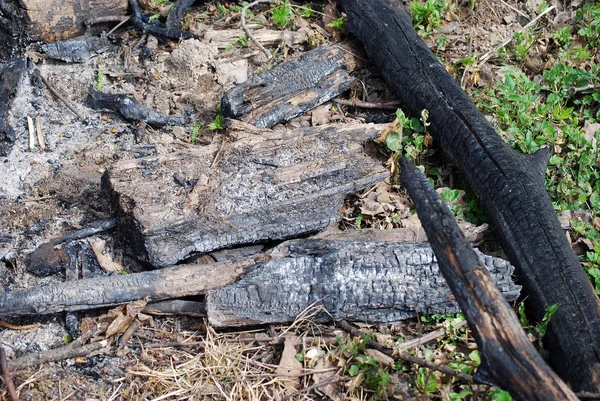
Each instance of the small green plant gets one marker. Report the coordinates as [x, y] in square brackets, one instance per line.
[240, 41]
[194, 136]
[408, 139]
[337, 24]
[221, 9]
[218, 122]
[282, 15]
[538, 331]
[500, 395]
[429, 15]
[374, 377]
[154, 16]
[99, 81]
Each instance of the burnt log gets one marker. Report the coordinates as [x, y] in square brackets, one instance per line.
[374, 281]
[508, 359]
[13, 29]
[263, 186]
[100, 292]
[290, 88]
[357, 280]
[510, 186]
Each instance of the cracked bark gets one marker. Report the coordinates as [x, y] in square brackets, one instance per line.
[510, 186]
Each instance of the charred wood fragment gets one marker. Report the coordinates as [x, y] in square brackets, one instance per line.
[99, 292]
[76, 50]
[510, 186]
[54, 20]
[508, 359]
[11, 75]
[357, 280]
[131, 109]
[13, 29]
[290, 88]
[265, 186]
[169, 32]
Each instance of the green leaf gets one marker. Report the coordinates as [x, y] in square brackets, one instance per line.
[500, 395]
[354, 370]
[394, 141]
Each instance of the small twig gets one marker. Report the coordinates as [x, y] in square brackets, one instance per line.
[248, 32]
[118, 26]
[53, 355]
[586, 88]
[10, 386]
[23, 327]
[137, 21]
[489, 54]
[428, 337]
[59, 96]
[588, 396]
[218, 154]
[40, 135]
[393, 105]
[31, 129]
[403, 356]
[521, 13]
[133, 327]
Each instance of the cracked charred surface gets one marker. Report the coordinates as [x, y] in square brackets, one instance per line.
[291, 88]
[266, 185]
[358, 280]
[510, 186]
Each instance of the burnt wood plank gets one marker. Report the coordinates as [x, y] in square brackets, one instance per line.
[266, 185]
[508, 359]
[510, 186]
[359, 280]
[290, 88]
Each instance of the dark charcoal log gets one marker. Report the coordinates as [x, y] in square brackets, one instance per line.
[265, 186]
[99, 292]
[11, 75]
[290, 88]
[76, 50]
[508, 359]
[53, 20]
[13, 29]
[510, 186]
[358, 280]
[131, 109]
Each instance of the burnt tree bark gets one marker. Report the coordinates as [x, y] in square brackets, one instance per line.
[357, 280]
[508, 359]
[263, 186]
[290, 88]
[510, 186]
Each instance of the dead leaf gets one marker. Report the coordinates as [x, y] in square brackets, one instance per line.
[394, 126]
[332, 390]
[372, 208]
[380, 357]
[589, 131]
[320, 115]
[289, 368]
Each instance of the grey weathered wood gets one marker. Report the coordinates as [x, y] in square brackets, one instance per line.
[99, 292]
[266, 185]
[360, 280]
[290, 88]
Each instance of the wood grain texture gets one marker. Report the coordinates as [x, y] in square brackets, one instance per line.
[267, 185]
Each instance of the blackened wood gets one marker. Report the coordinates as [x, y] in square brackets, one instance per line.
[290, 88]
[13, 29]
[510, 186]
[99, 292]
[131, 109]
[11, 75]
[53, 20]
[357, 280]
[168, 32]
[76, 50]
[508, 359]
[266, 185]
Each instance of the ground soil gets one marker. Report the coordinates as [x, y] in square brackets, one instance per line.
[44, 194]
